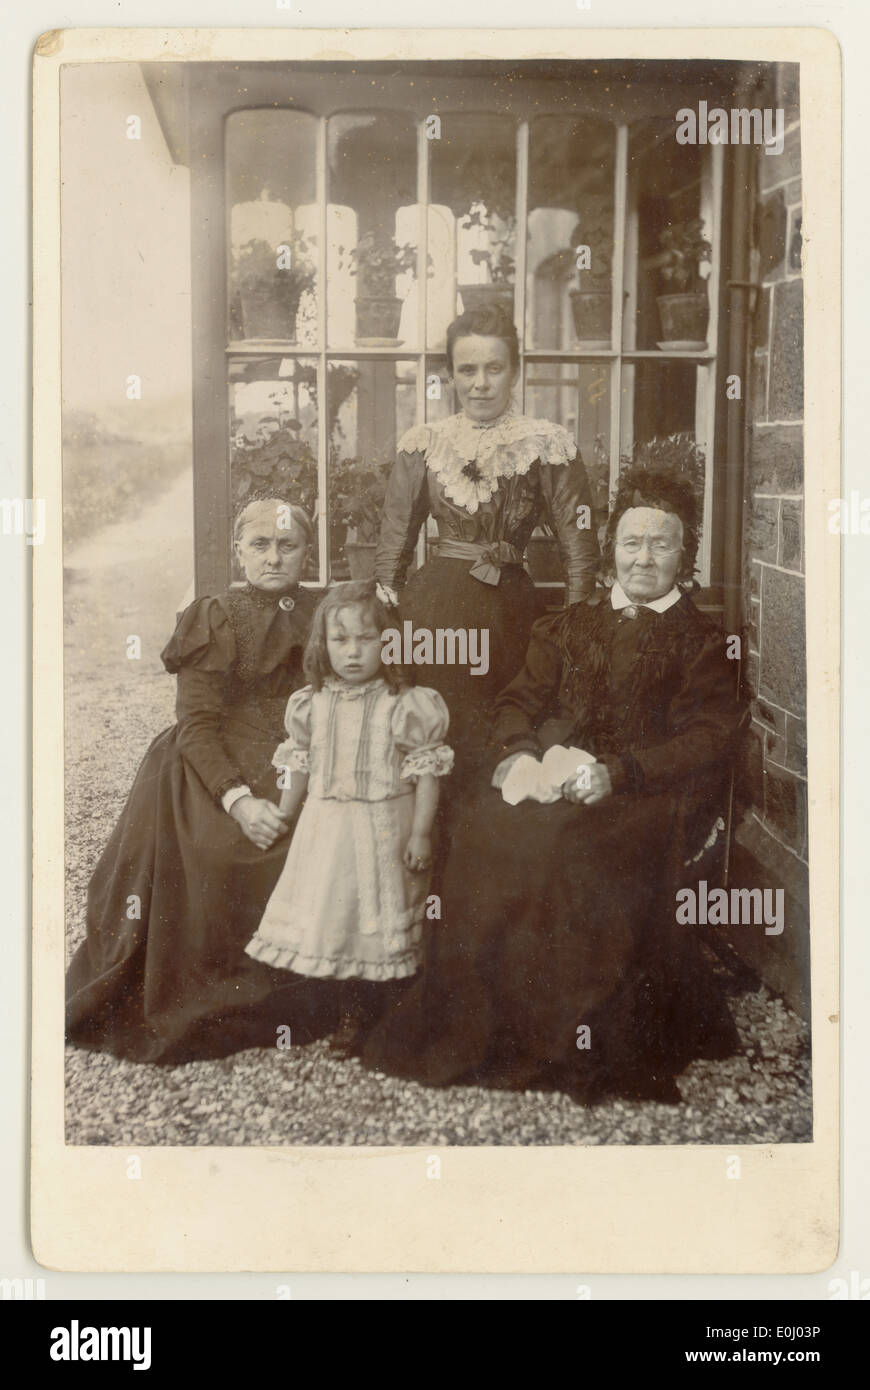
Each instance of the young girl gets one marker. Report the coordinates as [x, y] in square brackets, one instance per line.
[366, 749]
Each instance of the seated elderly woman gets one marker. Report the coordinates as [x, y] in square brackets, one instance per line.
[183, 880]
[558, 962]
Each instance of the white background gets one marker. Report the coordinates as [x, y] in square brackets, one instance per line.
[850, 23]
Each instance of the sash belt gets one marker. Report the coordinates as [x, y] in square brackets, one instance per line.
[488, 559]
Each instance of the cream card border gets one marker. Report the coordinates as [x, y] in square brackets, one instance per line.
[532, 1210]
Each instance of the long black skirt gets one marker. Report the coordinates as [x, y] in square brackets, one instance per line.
[443, 594]
[176, 895]
[558, 962]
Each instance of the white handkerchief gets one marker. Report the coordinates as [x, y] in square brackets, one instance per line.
[530, 780]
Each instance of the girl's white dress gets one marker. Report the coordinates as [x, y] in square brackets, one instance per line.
[345, 906]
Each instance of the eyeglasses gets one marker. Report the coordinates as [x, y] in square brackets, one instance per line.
[657, 547]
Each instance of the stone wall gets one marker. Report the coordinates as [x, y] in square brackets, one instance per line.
[770, 847]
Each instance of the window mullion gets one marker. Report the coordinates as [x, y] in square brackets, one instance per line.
[422, 289]
[712, 179]
[322, 309]
[620, 179]
[522, 206]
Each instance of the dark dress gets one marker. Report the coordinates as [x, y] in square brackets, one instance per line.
[535, 474]
[175, 983]
[559, 916]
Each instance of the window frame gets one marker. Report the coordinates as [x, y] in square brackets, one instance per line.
[193, 105]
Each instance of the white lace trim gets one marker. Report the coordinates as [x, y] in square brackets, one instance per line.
[505, 449]
[289, 758]
[420, 761]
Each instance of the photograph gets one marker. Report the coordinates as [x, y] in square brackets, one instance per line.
[435, 716]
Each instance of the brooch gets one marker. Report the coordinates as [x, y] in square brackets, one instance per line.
[288, 604]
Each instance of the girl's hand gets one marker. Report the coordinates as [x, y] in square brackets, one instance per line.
[259, 819]
[587, 790]
[418, 853]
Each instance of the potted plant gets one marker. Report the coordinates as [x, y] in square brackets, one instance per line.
[685, 313]
[356, 495]
[278, 458]
[678, 452]
[377, 260]
[591, 300]
[497, 257]
[269, 291]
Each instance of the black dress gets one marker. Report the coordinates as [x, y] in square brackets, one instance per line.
[558, 918]
[173, 982]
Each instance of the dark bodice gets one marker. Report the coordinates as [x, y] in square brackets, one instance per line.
[653, 697]
[238, 658]
[547, 492]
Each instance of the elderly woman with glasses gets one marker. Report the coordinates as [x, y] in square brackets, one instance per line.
[558, 962]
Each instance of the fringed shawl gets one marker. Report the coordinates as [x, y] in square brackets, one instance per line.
[667, 644]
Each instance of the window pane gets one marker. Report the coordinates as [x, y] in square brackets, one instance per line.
[570, 233]
[667, 303]
[664, 415]
[273, 433]
[372, 239]
[578, 397]
[370, 403]
[472, 218]
[272, 227]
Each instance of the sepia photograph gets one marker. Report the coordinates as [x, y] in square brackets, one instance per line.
[435, 667]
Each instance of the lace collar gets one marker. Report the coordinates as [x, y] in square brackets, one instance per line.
[353, 690]
[469, 458]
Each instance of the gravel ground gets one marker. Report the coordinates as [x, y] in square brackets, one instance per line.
[304, 1095]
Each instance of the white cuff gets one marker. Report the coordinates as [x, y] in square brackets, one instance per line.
[233, 795]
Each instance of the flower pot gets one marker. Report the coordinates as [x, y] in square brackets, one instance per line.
[481, 296]
[377, 318]
[542, 560]
[266, 316]
[684, 319]
[591, 310]
[361, 558]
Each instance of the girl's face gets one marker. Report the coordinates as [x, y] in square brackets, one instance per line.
[272, 556]
[353, 644]
[483, 376]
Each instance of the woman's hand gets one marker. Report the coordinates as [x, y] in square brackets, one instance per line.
[590, 784]
[504, 767]
[418, 853]
[259, 819]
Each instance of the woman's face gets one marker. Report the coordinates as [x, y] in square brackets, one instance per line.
[353, 644]
[272, 555]
[483, 376]
[648, 550]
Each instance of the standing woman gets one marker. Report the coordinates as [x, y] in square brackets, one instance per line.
[488, 475]
[183, 881]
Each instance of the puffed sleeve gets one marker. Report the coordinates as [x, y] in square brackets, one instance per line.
[566, 490]
[202, 638]
[293, 753]
[420, 723]
[406, 506]
[201, 652]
